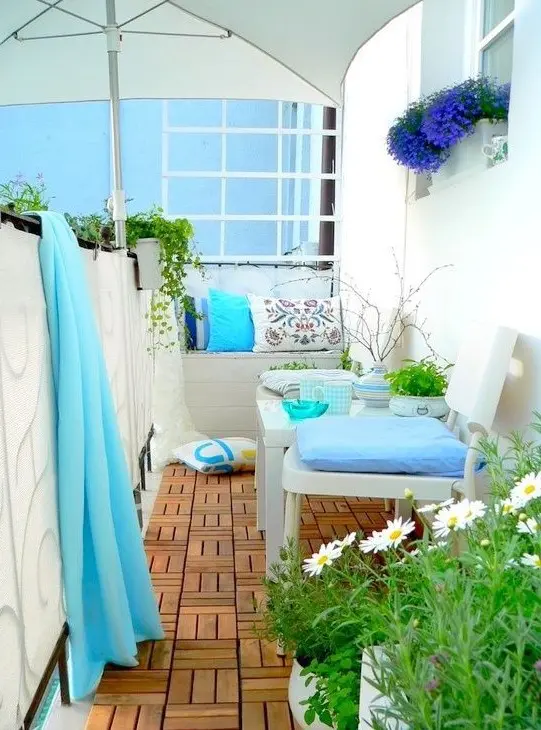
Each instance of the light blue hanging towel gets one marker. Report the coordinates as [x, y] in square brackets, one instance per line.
[109, 597]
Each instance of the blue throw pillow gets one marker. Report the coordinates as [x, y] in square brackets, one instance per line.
[381, 445]
[197, 324]
[231, 326]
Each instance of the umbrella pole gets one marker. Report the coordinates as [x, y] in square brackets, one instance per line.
[118, 196]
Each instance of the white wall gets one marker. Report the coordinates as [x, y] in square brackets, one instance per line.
[488, 226]
[31, 594]
[381, 81]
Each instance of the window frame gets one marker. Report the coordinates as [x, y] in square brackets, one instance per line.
[280, 176]
[482, 42]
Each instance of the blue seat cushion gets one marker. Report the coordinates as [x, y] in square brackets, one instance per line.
[381, 445]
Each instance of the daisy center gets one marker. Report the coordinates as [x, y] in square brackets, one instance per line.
[537, 561]
[395, 534]
[530, 489]
[323, 560]
[452, 521]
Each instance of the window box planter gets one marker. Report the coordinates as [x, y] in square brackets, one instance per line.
[370, 700]
[468, 156]
[148, 259]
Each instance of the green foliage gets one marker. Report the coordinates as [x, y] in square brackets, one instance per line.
[471, 659]
[19, 195]
[89, 227]
[458, 621]
[299, 611]
[423, 379]
[336, 685]
[346, 363]
[294, 365]
[176, 254]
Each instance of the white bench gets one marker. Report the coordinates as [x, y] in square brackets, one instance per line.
[220, 388]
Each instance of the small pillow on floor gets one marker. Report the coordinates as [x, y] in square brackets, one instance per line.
[381, 445]
[218, 456]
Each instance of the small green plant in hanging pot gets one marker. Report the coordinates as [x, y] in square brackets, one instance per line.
[419, 389]
[164, 250]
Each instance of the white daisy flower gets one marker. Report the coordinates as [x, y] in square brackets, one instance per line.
[347, 541]
[505, 507]
[512, 563]
[435, 507]
[437, 546]
[532, 561]
[529, 527]
[471, 510]
[396, 531]
[326, 555]
[527, 489]
[373, 544]
[448, 519]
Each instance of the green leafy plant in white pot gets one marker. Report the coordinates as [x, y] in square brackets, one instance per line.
[419, 389]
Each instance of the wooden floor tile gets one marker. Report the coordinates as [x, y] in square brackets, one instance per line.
[206, 560]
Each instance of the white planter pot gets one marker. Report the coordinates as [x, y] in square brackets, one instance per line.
[148, 260]
[298, 691]
[370, 699]
[406, 405]
[467, 157]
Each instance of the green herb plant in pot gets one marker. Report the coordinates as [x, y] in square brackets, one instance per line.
[419, 389]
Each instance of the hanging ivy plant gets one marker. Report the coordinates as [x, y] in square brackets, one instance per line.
[176, 254]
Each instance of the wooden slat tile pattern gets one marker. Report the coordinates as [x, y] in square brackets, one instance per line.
[206, 559]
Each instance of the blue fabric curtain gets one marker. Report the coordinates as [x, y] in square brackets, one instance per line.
[109, 597]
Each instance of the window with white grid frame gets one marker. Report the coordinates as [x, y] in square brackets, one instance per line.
[495, 39]
[256, 178]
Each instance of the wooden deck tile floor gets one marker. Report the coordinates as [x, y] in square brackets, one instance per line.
[206, 560]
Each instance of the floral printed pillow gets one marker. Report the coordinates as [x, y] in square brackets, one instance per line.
[293, 325]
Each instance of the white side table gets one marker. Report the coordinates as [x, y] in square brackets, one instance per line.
[276, 433]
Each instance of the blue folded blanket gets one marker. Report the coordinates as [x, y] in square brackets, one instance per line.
[381, 445]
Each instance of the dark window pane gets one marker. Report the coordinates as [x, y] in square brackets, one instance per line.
[498, 57]
[494, 12]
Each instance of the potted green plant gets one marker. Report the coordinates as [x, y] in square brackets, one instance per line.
[304, 613]
[19, 195]
[469, 654]
[418, 389]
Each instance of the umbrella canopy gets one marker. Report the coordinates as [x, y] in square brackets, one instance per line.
[91, 50]
[293, 50]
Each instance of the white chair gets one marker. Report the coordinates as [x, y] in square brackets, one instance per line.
[474, 392]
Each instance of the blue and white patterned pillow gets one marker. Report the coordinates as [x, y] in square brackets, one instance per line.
[195, 324]
[218, 456]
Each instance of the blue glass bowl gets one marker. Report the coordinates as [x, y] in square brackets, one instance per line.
[297, 410]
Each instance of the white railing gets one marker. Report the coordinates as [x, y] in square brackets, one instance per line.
[31, 592]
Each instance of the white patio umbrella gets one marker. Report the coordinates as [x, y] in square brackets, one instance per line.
[91, 50]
